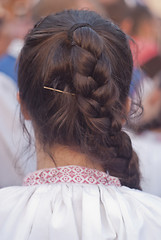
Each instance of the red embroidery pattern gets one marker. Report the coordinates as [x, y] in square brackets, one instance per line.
[71, 174]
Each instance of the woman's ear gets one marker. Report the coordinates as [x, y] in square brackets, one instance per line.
[24, 111]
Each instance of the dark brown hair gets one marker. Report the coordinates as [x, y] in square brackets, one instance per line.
[95, 63]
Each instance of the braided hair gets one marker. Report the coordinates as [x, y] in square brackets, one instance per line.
[88, 57]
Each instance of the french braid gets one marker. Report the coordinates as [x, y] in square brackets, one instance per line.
[98, 102]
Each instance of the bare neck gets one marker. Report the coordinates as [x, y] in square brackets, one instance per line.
[60, 155]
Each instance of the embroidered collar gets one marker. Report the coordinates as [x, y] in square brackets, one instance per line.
[71, 174]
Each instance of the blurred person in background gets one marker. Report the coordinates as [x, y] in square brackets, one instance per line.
[46, 7]
[136, 19]
[142, 26]
[147, 140]
[15, 22]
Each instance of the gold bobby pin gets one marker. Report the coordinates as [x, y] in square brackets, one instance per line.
[60, 91]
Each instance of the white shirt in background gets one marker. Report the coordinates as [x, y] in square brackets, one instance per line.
[12, 141]
[148, 148]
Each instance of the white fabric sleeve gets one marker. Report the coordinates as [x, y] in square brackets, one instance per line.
[79, 212]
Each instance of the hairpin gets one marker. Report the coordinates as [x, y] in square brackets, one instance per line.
[59, 91]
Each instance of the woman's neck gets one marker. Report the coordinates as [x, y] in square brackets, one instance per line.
[60, 155]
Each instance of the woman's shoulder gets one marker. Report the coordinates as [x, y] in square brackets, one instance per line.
[115, 211]
[122, 196]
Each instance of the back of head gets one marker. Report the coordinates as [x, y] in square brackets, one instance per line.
[74, 76]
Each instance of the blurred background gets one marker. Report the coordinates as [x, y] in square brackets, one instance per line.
[141, 20]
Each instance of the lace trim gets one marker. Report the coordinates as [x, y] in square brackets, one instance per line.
[71, 174]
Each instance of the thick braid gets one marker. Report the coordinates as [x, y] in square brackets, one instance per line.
[98, 102]
[94, 88]
[126, 161]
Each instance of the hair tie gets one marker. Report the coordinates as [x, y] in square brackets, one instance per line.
[74, 27]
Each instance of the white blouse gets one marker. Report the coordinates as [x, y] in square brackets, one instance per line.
[77, 203]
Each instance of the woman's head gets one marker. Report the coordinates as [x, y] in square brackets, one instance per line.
[89, 59]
